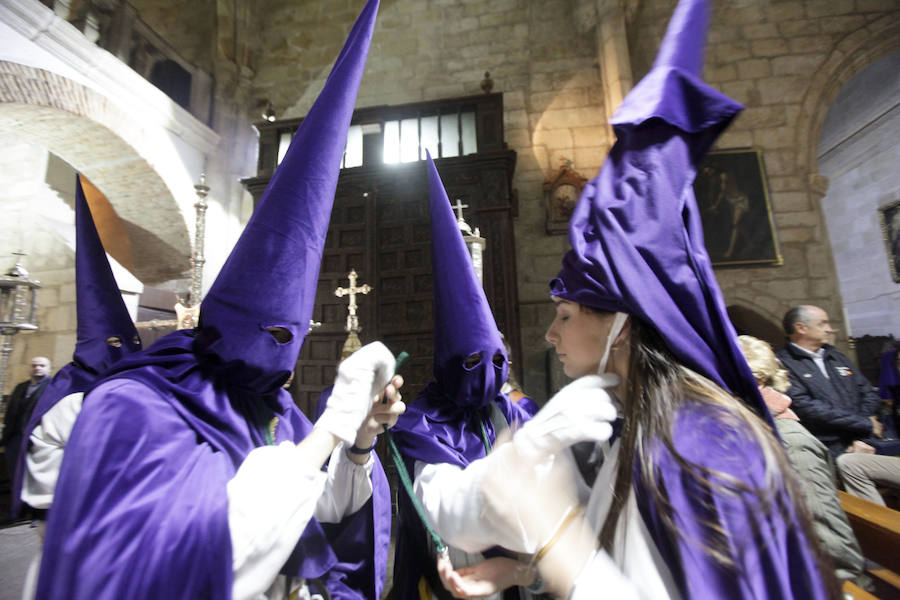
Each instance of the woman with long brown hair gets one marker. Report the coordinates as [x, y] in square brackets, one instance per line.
[692, 495]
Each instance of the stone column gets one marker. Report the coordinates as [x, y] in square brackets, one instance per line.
[612, 55]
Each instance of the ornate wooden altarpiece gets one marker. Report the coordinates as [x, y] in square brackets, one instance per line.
[380, 228]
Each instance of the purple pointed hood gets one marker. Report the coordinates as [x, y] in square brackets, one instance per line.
[463, 323]
[270, 278]
[106, 332]
[636, 235]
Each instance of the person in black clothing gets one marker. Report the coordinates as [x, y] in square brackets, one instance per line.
[836, 403]
[18, 411]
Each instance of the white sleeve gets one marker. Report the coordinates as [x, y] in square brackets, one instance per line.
[347, 488]
[270, 501]
[453, 499]
[45, 452]
[600, 577]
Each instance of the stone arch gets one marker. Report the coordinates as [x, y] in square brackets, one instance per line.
[111, 148]
[748, 320]
[850, 55]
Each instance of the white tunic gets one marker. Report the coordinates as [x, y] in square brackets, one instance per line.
[455, 503]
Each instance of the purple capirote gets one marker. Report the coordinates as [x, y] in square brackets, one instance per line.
[146, 470]
[102, 318]
[637, 248]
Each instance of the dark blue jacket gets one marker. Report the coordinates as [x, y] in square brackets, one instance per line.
[835, 410]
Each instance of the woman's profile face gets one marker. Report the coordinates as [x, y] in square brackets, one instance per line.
[579, 337]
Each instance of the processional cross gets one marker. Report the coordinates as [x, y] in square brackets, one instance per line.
[458, 207]
[352, 344]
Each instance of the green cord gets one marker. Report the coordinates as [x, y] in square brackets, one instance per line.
[439, 544]
[484, 437]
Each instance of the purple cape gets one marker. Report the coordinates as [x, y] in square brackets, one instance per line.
[433, 430]
[888, 376]
[144, 477]
[755, 526]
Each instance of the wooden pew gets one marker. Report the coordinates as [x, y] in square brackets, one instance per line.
[877, 529]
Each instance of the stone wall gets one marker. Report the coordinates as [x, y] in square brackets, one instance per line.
[859, 153]
[49, 259]
[785, 60]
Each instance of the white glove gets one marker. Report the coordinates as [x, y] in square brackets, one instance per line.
[361, 378]
[581, 411]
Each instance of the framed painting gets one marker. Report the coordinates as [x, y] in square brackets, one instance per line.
[733, 198]
[890, 229]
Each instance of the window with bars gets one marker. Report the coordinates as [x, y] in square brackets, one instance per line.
[406, 140]
[393, 135]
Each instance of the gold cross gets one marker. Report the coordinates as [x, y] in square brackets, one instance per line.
[352, 291]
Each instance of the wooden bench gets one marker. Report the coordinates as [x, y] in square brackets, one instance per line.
[877, 529]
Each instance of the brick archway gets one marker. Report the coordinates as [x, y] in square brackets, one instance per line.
[111, 148]
[850, 56]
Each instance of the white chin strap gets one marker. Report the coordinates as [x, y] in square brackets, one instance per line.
[614, 331]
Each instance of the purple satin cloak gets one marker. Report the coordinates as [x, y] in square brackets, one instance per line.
[433, 430]
[142, 508]
[754, 524]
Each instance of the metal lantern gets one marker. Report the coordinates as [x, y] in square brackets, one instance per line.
[18, 304]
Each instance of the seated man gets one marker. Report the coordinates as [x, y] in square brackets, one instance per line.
[835, 402]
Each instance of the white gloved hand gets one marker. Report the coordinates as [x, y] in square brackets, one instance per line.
[361, 379]
[581, 411]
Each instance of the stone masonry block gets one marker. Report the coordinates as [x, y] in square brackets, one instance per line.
[815, 10]
[719, 73]
[760, 30]
[780, 162]
[735, 138]
[774, 137]
[554, 139]
[842, 24]
[804, 43]
[796, 64]
[583, 137]
[778, 12]
[769, 47]
[786, 183]
[568, 98]
[798, 27]
[795, 234]
[740, 90]
[728, 52]
[785, 88]
[797, 219]
[790, 202]
[870, 5]
[571, 117]
[817, 260]
[754, 68]
[515, 118]
[590, 159]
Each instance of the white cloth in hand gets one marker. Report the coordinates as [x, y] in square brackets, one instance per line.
[581, 411]
[361, 377]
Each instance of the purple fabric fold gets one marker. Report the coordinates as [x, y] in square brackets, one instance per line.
[753, 524]
[144, 480]
[636, 234]
[888, 376]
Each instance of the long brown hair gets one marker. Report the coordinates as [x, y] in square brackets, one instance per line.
[658, 386]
